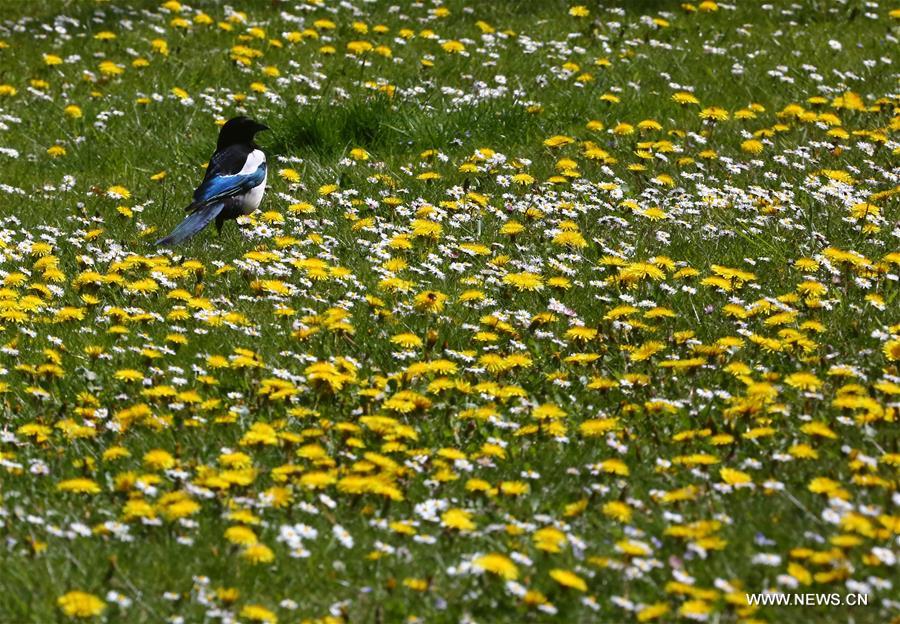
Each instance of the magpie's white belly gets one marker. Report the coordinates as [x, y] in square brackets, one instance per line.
[253, 197]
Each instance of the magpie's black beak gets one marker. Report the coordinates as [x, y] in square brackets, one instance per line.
[261, 126]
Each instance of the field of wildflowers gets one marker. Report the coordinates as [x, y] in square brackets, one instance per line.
[552, 312]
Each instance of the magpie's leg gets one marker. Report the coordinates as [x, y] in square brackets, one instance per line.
[220, 220]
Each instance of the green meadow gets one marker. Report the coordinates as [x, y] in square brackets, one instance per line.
[552, 312]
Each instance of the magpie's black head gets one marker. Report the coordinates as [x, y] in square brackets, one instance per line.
[239, 130]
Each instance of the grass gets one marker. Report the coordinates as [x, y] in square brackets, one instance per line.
[714, 437]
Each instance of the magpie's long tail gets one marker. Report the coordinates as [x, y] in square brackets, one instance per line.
[192, 224]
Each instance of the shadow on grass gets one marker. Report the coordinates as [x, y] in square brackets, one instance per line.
[388, 129]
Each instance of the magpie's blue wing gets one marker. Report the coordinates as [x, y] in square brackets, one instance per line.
[228, 174]
[222, 187]
[192, 224]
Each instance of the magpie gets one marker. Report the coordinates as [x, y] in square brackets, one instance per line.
[233, 185]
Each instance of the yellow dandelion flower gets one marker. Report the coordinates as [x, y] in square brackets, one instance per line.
[258, 613]
[453, 47]
[891, 350]
[735, 477]
[524, 281]
[258, 554]
[79, 604]
[752, 146]
[714, 113]
[558, 141]
[78, 486]
[568, 579]
[498, 564]
[458, 519]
